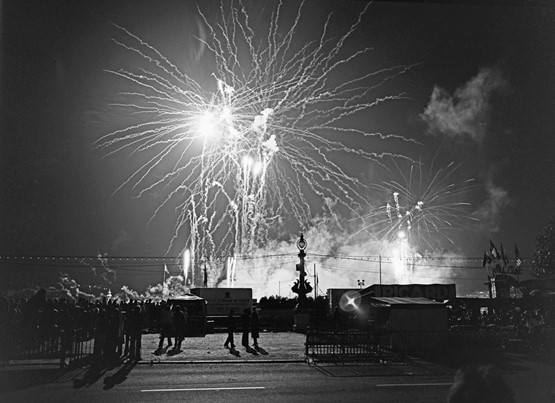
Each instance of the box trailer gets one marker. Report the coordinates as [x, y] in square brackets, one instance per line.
[221, 300]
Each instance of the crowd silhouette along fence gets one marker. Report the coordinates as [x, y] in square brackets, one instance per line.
[83, 331]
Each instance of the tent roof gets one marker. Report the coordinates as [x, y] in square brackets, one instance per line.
[406, 301]
[186, 297]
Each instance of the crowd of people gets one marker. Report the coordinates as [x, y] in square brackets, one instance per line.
[53, 324]
[506, 315]
[49, 326]
[44, 326]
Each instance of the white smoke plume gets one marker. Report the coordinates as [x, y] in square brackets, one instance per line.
[69, 288]
[466, 113]
[127, 294]
[491, 209]
[341, 261]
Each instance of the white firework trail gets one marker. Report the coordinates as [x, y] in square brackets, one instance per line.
[422, 208]
[264, 144]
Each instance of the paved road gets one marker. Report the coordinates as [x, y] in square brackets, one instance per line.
[207, 372]
[268, 382]
[278, 382]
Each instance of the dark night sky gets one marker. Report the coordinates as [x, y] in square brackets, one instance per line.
[492, 67]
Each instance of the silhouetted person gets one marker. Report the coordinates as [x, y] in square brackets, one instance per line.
[166, 323]
[180, 325]
[480, 385]
[255, 327]
[245, 325]
[230, 329]
[135, 333]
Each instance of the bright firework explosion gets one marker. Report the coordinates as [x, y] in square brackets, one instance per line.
[421, 209]
[264, 143]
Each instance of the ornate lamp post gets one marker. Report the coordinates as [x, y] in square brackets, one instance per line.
[301, 288]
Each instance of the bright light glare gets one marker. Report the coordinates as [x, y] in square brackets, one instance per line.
[207, 124]
[257, 168]
[226, 113]
[247, 161]
[350, 301]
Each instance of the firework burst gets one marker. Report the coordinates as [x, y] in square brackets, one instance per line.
[264, 143]
[421, 208]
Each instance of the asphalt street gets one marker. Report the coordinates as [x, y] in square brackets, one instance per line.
[205, 371]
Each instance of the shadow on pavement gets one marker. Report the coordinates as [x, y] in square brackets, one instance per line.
[14, 379]
[251, 350]
[119, 376]
[160, 351]
[261, 350]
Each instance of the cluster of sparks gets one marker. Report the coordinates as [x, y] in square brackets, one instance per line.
[421, 208]
[262, 144]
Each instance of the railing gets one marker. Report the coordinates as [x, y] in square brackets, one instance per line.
[66, 346]
[340, 345]
[370, 345]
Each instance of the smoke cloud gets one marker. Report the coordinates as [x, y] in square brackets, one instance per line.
[491, 209]
[341, 260]
[466, 113]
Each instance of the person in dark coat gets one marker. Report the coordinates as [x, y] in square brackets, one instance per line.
[179, 325]
[255, 327]
[166, 325]
[245, 325]
[230, 329]
[135, 330]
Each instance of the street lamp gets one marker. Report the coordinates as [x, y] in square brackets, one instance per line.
[301, 286]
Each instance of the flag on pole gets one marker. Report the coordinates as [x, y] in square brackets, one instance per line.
[487, 258]
[166, 269]
[504, 256]
[517, 257]
[493, 250]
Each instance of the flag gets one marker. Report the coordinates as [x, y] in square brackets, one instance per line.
[493, 250]
[504, 256]
[487, 258]
[517, 257]
[166, 269]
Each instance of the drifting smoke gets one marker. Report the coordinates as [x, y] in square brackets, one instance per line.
[466, 112]
[69, 288]
[340, 260]
[490, 211]
[127, 294]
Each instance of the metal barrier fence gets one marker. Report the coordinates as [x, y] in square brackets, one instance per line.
[330, 345]
[370, 345]
[79, 348]
[67, 347]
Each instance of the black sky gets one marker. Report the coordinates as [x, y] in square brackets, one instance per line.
[58, 191]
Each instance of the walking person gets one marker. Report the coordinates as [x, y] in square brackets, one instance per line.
[230, 329]
[166, 323]
[135, 329]
[255, 327]
[180, 325]
[245, 325]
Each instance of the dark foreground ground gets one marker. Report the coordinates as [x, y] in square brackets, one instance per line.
[204, 370]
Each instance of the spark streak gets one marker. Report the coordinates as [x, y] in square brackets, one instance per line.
[266, 144]
[422, 208]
